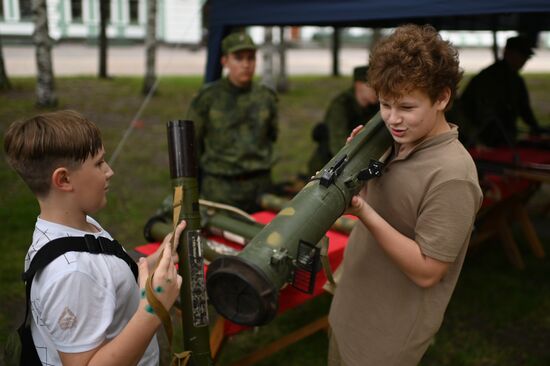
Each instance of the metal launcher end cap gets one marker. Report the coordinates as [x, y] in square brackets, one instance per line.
[241, 292]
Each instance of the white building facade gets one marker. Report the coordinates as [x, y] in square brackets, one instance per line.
[178, 21]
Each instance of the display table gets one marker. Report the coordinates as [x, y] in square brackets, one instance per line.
[508, 178]
[529, 163]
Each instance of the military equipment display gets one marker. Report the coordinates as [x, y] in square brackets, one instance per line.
[275, 203]
[216, 222]
[238, 230]
[184, 172]
[244, 288]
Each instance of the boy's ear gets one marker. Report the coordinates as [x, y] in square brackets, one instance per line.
[444, 98]
[224, 60]
[61, 179]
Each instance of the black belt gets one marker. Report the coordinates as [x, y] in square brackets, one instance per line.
[242, 176]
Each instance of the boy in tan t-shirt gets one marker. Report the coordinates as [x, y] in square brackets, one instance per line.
[404, 257]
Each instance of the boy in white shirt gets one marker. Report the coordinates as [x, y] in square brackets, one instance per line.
[86, 308]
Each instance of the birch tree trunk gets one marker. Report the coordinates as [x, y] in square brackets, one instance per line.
[43, 43]
[150, 47]
[4, 81]
[335, 48]
[375, 38]
[267, 72]
[282, 79]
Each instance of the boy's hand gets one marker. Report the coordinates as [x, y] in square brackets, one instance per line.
[354, 133]
[358, 207]
[355, 206]
[167, 242]
[166, 280]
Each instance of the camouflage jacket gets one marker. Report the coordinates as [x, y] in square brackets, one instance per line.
[343, 115]
[236, 127]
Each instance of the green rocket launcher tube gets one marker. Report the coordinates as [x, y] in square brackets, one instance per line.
[184, 172]
[244, 288]
[274, 203]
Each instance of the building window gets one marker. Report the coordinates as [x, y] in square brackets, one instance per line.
[76, 10]
[25, 9]
[134, 11]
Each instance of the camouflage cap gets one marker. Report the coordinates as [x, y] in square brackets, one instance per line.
[237, 42]
[360, 73]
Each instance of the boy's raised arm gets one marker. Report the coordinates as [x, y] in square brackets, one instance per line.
[128, 346]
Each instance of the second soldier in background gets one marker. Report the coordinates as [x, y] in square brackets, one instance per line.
[353, 107]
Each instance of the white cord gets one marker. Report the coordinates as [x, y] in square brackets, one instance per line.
[225, 207]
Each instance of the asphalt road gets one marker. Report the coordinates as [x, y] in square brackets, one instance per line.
[80, 59]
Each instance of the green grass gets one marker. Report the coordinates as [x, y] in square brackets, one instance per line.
[497, 316]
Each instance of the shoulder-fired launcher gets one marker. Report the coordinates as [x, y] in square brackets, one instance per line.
[245, 288]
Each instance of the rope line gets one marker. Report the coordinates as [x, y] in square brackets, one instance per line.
[131, 126]
[147, 98]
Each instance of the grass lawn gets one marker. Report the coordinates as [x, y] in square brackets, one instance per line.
[497, 316]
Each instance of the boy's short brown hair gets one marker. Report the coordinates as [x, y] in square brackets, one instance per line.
[35, 147]
[414, 58]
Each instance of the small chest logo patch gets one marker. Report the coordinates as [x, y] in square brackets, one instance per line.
[67, 319]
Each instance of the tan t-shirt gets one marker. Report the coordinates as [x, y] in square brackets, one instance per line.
[378, 315]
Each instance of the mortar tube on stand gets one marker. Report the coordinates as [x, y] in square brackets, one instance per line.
[184, 173]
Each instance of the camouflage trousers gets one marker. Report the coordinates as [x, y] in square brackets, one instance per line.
[240, 192]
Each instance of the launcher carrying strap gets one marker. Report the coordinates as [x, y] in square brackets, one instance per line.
[178, 359]
[325, 261]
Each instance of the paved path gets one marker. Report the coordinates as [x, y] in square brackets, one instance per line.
[77, 59]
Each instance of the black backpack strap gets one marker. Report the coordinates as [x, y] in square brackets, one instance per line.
[87, 243]
[29, 356]
[46, 254]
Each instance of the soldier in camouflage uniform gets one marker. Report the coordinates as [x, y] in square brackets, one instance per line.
[236, 126]
[354, 106]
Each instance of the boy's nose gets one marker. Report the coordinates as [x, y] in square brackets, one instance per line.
[393, 117]
[110, 172]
